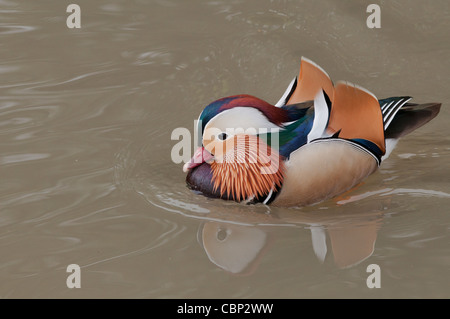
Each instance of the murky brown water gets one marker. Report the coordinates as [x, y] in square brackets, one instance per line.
[86, 117]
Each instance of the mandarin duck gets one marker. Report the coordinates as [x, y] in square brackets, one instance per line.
[318, 141]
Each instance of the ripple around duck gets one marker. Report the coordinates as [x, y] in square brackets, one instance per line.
[132, 173]
[155, 181]
[418, 192]
[398, 191]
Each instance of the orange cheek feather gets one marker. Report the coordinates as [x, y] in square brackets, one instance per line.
[248, 167]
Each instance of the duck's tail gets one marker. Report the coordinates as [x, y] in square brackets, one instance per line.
[408, 118]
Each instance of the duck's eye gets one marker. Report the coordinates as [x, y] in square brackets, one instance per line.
[222, 136]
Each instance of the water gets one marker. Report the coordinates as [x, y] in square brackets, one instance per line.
[86, 117]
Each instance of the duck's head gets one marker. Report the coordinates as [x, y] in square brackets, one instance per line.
[235, 158]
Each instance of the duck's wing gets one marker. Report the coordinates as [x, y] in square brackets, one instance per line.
[355, 115]
[311, 79]
[345, 111]
[312, 87]
[287, 94]
[325, 166]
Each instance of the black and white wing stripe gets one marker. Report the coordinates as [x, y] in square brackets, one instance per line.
[390, 107]
[322, 111]
[288, 93]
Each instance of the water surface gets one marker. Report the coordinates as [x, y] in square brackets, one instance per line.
[86, 117]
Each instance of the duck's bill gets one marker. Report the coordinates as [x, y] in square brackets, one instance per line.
[201, 156]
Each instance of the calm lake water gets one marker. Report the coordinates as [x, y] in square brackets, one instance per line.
[86, 176]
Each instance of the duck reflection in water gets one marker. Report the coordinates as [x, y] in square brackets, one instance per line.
[239, 246]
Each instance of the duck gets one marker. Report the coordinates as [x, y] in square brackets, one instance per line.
[320, 140]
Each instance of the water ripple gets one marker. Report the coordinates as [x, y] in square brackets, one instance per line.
[13, 29]
[418, 192]
[173, 231]
[18, 158]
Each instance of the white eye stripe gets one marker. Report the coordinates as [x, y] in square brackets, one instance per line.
[240, 117]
